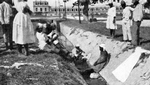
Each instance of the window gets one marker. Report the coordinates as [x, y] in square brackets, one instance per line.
[76, 9]
[36, 9]
[96, 8]
[46, 3]
[41, 3]
[41, 9]
[55, 10]
[45, 9]
[67, 9]
[35, 3]
[38, 3]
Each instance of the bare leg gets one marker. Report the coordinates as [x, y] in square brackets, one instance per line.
[19, 48]
[26, 49]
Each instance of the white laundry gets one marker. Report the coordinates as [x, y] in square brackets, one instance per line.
[123, 71]
[18, 64]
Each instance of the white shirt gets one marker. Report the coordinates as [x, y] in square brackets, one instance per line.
[127, 13]
[138, 13]
[5, 13]
[112, 12]
[41, 39]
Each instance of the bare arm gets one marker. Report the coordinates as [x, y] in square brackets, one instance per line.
[1, 15]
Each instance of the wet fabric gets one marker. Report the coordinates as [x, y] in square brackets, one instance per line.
[123, 71]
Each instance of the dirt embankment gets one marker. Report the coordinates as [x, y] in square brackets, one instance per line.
[41, 68]
[89, 42]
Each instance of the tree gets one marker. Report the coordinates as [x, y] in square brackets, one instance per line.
[85, 4]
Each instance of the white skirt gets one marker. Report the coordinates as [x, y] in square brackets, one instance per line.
[23, 31]
[110, 24]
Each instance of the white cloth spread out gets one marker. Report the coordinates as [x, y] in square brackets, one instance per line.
[123, 70]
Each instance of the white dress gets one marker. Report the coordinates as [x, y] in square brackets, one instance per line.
[110, 17]
[23, 31]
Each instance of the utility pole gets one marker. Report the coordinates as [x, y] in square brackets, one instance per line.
[65, 8]
[56, 6]
[79, 11]
[59, 8]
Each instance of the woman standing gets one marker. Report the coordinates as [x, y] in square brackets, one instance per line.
[111, 19]
[23, 32]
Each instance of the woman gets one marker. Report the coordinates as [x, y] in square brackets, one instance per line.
[111, 22]
[23, 32]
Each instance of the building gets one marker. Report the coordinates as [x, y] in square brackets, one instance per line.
[41, 7]
[117, 1]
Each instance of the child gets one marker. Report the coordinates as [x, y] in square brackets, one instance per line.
[51, 31]
[48, 44]
[126, 21]
[78, 53]
[43, 39]
[111, 19]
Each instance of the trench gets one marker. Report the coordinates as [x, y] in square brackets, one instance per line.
[83, 68]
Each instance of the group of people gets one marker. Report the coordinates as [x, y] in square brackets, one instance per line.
[16, 24]
[131, 20]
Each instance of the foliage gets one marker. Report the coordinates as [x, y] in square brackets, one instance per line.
[65, 0]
